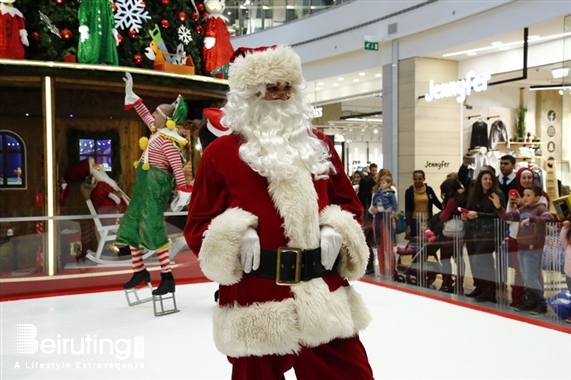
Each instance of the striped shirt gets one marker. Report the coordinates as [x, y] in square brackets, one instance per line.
[163, 153]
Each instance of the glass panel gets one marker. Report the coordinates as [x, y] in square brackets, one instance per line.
[14, 168]
[12, 144]
[103, 147]
[105, 162]
[86, 147]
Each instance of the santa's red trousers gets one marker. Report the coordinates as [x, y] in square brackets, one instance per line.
[340, 359]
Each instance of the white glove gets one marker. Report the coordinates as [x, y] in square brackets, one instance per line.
[330, 246]
[209, 42]
[130, 97]
[181, 199]
[24, 37]
[250, 250]
[116, 36]
[83, 33]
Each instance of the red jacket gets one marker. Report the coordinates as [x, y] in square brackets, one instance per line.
[256, 316]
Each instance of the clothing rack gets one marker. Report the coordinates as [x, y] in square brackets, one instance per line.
[491, 117]
[472, 116]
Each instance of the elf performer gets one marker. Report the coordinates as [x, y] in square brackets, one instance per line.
[13, 34]
[98, 38]
[275, 221]
[217, 49]
[142, 226]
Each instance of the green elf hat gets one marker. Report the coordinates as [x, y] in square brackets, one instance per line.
[180, 113]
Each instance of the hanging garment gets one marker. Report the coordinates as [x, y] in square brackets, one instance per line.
[479, 135]
[498, 133]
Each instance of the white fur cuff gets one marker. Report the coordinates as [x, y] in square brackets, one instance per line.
[354, 252]
[219, 255]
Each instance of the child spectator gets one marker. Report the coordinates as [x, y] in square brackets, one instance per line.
[532, 217]
[384, 200]
[565, 238]
[384, 207]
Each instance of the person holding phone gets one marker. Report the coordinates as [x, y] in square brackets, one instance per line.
[523, 179]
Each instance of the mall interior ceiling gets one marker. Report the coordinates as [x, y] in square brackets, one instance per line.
[364, 111]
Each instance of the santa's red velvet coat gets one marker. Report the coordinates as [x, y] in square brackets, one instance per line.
[105, 204]
[255, 316]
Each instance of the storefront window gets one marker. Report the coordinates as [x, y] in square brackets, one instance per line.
[12, 161]
[99, 149]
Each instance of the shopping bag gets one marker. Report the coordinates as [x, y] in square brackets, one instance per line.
[401, 223]
[453, 228]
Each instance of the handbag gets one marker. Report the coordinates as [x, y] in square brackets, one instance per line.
[454, 228]
[401, 223]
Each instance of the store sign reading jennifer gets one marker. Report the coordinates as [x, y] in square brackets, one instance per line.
[460, 89]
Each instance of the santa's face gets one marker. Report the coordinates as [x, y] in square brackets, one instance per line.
[279, 141]
[278, 91]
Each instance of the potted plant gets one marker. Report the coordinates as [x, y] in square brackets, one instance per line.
[520, 127]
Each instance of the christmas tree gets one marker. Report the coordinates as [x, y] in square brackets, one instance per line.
[53, 28]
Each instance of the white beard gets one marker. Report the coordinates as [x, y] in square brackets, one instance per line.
[101, 176]
[280, 143]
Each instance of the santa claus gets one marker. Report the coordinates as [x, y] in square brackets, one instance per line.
[275, 221]
[105, 194]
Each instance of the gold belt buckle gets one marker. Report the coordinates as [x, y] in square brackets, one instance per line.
[288, 251]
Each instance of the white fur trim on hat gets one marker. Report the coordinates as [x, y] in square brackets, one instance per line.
[314, 316]
[219, 255]
[354, 252]
[277, 64]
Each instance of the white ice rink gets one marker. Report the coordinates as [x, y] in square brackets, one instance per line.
[411, 337]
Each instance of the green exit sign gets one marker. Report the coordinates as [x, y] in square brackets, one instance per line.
[371, 46]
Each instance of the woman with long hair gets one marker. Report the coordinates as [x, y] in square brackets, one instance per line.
[481, 235]
[453, 196]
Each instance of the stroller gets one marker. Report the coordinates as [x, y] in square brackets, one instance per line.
[418, 269]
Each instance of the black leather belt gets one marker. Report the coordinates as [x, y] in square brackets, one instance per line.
[289, 266]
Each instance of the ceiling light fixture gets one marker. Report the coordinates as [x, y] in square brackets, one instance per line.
[378, 75]
[362, 74]
[497, 43]
[551, 87]
[356, 80]
[471, 53]
[340, 79]
[512, 44]
[560, 72]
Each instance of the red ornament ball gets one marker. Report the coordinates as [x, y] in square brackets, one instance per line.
[138, 59]
[66, 34]
[113, 7]
[200, 7]
[36, 36]
[59, 2]
[199, 29]
[182, 16]
[120, 38]
[165, 23]
[194, 16]
[132, 33]
[204, 15]
[165, 2]
[142, 4]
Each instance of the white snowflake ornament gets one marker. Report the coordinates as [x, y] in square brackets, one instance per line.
[184, 35]
[130, 14]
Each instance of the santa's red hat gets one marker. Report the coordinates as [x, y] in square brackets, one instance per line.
[254, 67]
[76, 173]
[214, 124]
